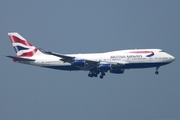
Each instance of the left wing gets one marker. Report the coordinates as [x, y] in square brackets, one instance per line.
[64, 58]
[88, 64]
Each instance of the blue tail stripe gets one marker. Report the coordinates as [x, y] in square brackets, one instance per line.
[19, 48]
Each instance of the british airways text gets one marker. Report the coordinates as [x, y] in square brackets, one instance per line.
[125, 56]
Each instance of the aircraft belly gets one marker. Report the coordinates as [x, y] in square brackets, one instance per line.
[144, 65]
[64, 67]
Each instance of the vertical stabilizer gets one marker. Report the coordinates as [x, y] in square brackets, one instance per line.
[22, 47]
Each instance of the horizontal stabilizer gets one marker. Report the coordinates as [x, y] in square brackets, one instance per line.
[20, 59]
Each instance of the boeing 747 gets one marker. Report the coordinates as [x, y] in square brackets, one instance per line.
[96, 63]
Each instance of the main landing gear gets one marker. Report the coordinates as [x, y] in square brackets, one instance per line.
[91, 74]
[157, 72]
[102, 75]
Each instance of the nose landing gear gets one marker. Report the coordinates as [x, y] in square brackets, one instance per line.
[157, 72]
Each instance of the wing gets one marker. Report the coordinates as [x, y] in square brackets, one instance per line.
[64, 58]
[90, 64]
[71, 59]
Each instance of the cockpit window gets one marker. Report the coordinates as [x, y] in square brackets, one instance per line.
[161, 51]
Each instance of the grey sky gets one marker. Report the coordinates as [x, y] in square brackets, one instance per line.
[34, 93]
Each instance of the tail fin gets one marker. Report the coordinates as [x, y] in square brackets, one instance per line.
[22, 47]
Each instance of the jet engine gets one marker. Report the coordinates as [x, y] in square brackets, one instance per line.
[104, 66]
[79, 63]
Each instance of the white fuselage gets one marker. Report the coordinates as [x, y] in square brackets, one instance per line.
[132, 59]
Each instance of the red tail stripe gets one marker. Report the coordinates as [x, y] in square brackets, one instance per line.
[29, 54]
[15, 39]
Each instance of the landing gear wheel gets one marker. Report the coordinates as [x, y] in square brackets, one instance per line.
[156, 72]
[90, 75]
[102, 75]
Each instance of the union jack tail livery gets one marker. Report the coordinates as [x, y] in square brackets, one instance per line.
[22, 47]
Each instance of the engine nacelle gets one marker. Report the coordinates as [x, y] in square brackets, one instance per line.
[105, 67]
[79, 63]
[121, 71]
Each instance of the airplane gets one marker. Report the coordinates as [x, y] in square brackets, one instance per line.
[96, 63]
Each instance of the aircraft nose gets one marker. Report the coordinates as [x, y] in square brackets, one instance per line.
[172, 58]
